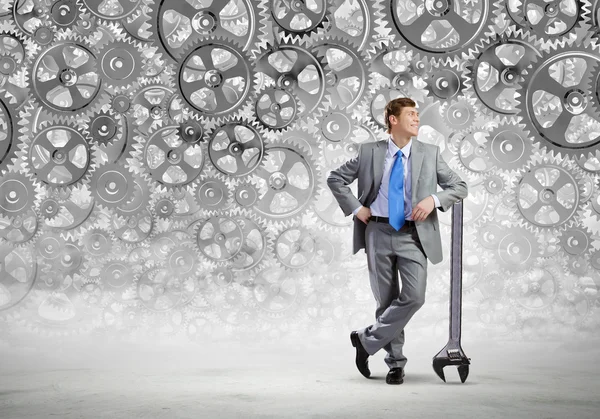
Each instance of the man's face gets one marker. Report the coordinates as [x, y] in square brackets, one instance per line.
[407, 123]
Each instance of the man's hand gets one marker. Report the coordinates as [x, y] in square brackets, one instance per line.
[423, 209]
[364, 214]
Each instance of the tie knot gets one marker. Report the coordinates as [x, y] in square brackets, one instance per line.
[399, 154]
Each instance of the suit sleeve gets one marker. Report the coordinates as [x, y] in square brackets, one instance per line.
[454, 188]
[339, 179]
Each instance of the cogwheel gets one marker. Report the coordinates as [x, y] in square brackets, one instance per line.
[65, 14]
[215, 80]
[164, 157]
[550, 22]
[138, 200]
[111, 185]
[134, 228]
[113, 10]
[19, 194]
[288, 180]
[177, 25]
[8, 137]
[236, 148]
[447, 80]
[219, 239]
[575, 242]
[557, 112]
[97, 243]
[68, 209]
[162, 206]
[572, 308]
[497, 183]
[517, 248]
[257, 246]
[276, 109]
[461, 115]
[182, 261]
[359, 22]
[190, 130]
[548, 192]
[347, 70]
[154, 105]
[509, 147]
[442, 29]
[298, 20]
[120, 63]
[69, 262]
[333, 124]
[64, 81]
[497, 70]
[86, 26]
[22, 230]
[594, 19]
[534, 291]
[245, 194]
[295, 69]
[104, 128]
[28, 15]
[472, 153]
[213, 193]
[16, 54]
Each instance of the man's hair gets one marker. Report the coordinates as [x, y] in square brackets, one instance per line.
[394, 107]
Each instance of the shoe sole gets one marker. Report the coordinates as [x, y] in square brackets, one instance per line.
[354, 345]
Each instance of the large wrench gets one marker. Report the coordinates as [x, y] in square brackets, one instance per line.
[452, 353]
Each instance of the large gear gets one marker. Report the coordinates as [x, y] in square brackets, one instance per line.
[442, 28]
[177, 25]
[64, 80]
[556, 110]
[497, 70]
[215, 79]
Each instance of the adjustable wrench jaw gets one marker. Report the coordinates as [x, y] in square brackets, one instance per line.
[452, 354]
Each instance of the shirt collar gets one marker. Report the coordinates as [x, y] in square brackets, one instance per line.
[393, 148]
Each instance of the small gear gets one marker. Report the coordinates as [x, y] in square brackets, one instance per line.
[111, 185]
[276, 109]
[236, 148]
[295, 248]
[461, 115]
[97, 242]
[575, 242]
[133, 229]
[219, 239]
[167, 159]
[65, 14]
[548, 192]
[191, 131]
[246, 194]
[447, 80]
[153, 105]
[518, 249]
[29, 15]
[213, 193]
[509, 147]
[120, 64]
[298, 19]
[104, 128]
[20, 193]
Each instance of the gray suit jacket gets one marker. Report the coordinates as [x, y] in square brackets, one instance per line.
[428, 170]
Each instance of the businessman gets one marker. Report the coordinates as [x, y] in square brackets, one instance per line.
[395, 221]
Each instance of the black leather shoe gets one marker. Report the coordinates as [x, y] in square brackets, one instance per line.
[395, 376]
[362, 356]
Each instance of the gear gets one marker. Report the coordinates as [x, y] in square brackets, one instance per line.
[8, 130]
[113, 10]
[518, 249]
[509, 147]
[20, 193]
[360, 22]
[29, 15]
[153, 106]
[443, 28]
[295, 69]
[557, 112]
[213, 193]
[298, 19]
[497, 70]
[104, 128]
[97, 242]
[295, 248]
[167, 159]
[236, 148]
[177, 25]
[219, 239]
[257, 244]
[347, 70]
[448, 83]
[575, 242]
[551, 22]
[133, 229]
[64, 79]
[120, 64]
[65, 14]
[276, 109]
[548, 193]
[288, 182]
[111, 185]
[22, 230]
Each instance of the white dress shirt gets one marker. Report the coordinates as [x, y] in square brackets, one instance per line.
[379, 207]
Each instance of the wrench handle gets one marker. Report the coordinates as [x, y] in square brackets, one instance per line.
[456, 271]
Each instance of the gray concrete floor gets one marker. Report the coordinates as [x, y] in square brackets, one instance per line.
[295, 380]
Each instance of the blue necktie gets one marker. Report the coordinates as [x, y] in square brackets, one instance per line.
[396, 193]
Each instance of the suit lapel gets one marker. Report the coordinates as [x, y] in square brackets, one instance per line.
[416, 152]
[378, 162]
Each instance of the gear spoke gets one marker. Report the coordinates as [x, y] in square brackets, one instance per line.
[88, 67]
[561, 124]
[186, 9]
